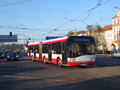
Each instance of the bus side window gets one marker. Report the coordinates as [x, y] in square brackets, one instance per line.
[45, 48]
[36, 50]
[31, 51]
[53, 52]
[59, 48]
[54, 48]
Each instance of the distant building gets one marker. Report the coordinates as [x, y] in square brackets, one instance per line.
[109, 37]
[91, 33]
[107, 30]
[103, 38]
[81, 33]
[116, 30]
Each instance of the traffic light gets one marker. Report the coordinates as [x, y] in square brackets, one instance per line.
[10, 34]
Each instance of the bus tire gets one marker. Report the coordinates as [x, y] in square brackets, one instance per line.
[59, 63]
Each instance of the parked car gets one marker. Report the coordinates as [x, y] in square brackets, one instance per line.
[115, 53]
[12, 56]
[1, 55]
[6, 53]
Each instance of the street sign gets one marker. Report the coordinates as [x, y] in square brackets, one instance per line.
[8, 38]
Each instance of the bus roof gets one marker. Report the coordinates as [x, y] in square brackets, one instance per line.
[62, 39]
[56, 40]
[34, 44]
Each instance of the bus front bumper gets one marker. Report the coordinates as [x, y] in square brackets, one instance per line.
[81, 63]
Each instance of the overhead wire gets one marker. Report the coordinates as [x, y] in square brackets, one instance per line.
[89, 12]
[99, 3]
[14, 3]
[22, 28]
[19, 2]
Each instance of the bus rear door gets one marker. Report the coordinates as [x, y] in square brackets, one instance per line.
[49, 53]
[40, 52]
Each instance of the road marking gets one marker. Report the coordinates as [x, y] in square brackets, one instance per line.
[20, 77]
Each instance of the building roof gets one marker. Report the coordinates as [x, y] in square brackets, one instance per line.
[81, 32]
[114, 17]
[107, 27]
[117, 15]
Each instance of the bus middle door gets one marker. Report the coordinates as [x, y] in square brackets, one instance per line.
[63, 51]
[49, 53]
[34, 52]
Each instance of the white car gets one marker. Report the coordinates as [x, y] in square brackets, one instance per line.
[115, 53]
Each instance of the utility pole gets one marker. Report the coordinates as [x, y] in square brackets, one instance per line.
[74, 27]
[74, 30]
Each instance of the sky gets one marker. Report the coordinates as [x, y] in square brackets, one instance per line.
[37, 19]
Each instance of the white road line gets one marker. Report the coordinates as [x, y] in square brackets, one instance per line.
[20, 77]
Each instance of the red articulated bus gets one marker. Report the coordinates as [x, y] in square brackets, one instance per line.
[64, 51]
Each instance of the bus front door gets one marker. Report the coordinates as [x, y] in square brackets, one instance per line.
[63, 51]
[29, 54]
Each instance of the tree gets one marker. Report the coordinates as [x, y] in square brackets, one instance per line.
[97, 32]
[70, 33]
[100, 38]
[90, 29]
[98, 27]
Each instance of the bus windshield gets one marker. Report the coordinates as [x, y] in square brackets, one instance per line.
[81, 46]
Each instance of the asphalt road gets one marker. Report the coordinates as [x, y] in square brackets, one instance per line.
[28, 75]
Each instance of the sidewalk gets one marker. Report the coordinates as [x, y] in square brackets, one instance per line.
[102, 54]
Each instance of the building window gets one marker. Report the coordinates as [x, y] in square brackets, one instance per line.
[118, 36]
[114, 29]
[107, 36]
[114, 21]
[118, 21]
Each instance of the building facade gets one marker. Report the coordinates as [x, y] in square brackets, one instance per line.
[107, 30]
[116, 30]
